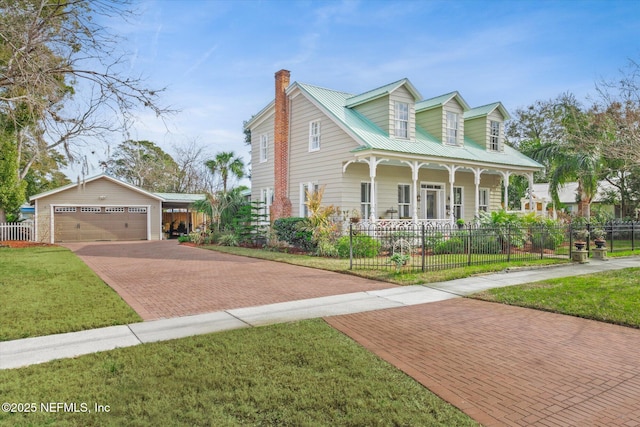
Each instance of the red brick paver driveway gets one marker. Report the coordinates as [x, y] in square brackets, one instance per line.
[510, 366]
[162, 279]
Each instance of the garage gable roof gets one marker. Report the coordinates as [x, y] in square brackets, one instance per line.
[95, 178]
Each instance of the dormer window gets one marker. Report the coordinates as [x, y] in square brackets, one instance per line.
[402, 120]
[494, 136]
[452, 128]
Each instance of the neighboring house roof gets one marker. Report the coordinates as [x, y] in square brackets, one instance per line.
[382, 91]
[438, 101]
[485, 110]
[94, 178]
[371, 137]
[569, 192]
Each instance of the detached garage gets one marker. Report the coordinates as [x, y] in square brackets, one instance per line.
[100, 208]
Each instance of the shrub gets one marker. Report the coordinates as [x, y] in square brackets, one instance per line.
[363, 246]
[229, 239]
[295, 231]
[454, 245]
[184, 239]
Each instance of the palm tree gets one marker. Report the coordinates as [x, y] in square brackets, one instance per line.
[570, 159]
[225, 164]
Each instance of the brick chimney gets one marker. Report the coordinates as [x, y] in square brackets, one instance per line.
[281, 206]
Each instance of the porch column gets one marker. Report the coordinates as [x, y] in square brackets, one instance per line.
[505, 184]
[372, 197]
[452, 179]
[415, 168]
[477, 172]
[530, 178]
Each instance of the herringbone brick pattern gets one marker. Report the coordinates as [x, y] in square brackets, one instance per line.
[509, 366]
[162, 279]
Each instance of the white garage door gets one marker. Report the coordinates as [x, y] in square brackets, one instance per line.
[92, 223]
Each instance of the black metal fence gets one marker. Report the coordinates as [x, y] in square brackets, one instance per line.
[422, 247]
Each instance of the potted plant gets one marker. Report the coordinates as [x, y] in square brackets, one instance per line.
[598, 237]
[355, 216]
[581, 238]
[460, 223]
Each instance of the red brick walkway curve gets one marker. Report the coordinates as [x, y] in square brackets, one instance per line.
[510, 366]
[162, 279]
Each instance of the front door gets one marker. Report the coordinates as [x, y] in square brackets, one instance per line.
[432, 196]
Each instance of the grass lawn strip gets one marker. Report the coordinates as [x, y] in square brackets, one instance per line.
[295, 374]
[49, 290]
[385, 275]
[612, 296]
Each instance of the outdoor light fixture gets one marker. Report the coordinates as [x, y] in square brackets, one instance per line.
[418, 197]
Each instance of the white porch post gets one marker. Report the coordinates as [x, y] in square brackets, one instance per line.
[372, 197]
[531, 207]
[452, 179]
[477, 172]
[415, 168]
[505, 184]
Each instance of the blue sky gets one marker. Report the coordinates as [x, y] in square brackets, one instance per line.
[218, 58]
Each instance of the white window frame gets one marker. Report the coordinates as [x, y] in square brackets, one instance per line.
[404, 200]
[401, 128]
[457, 206]
[266, 197]
[365, 199]
[314, 135]
[483, 205]
[453, 127]
[304, 186]
[264, 148]
[494, 135]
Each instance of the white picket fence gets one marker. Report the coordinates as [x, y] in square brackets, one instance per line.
[17, 231]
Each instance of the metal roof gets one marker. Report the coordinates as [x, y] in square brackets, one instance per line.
[371, 137]
[441, 100]
[485, 110]
[382, 91]
[180, 197]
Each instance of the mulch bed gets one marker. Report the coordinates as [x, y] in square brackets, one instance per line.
[21, 244]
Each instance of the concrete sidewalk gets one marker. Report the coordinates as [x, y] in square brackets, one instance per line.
[24, 352]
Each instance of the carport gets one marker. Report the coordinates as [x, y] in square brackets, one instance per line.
[103, 208]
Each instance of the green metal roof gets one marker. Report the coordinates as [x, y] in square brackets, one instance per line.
[371, 137]
[382, 91]
[485, 110]
[437, 101]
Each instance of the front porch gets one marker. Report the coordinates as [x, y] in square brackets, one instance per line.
[402, 191]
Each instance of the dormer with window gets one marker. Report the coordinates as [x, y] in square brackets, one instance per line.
[390, 107]
[485, 125]
[442, 117]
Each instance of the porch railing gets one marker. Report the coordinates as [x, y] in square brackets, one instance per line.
[17, 231]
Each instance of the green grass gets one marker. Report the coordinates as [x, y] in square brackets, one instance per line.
[403, 277]
[612, 296]
[295, 374]
[48, 290]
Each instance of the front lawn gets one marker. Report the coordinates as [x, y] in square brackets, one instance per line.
[295, 374]
[48, 290]
[612, 296]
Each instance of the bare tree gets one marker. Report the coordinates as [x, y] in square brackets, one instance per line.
[62, 76]
[194, 176]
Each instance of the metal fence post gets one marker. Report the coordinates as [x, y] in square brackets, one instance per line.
[350, 246]
[633, 233]
[424, 247]
[508, 242]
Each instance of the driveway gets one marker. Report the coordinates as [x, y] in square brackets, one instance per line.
[510, 366]
[161, 279]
